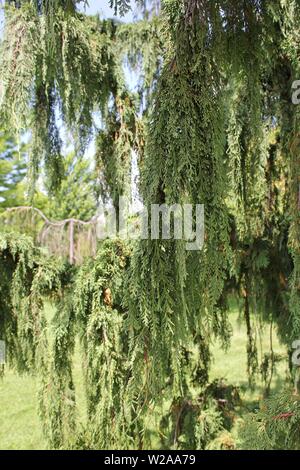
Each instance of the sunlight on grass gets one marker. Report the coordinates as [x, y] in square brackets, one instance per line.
[232, 364]
[20, 426]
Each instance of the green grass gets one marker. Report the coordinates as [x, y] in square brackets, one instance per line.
[20, 427]
[232, 365]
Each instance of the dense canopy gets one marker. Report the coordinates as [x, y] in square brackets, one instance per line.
[212, 122]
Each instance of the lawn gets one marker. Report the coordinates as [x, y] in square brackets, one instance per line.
[20, 427]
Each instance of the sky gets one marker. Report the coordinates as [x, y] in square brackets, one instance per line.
[94, 6]
[102, 7]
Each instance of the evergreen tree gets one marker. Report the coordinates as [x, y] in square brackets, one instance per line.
[220, 130]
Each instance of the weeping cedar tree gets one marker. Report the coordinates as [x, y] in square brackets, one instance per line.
[219, 129]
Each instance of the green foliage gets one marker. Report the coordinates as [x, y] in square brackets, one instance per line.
[120, 6]
[222, 132]
[171, 305]
[99, 306]
[275, 426]
[39, 74]
[114, 148]
[193, 423]
[25, 280]
[92, 307]
[57, 62]
[143, 45]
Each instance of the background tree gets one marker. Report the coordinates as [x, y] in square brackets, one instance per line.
[12, 172]
[75, 198]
